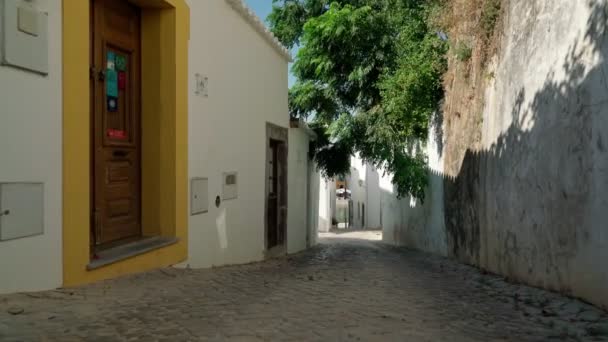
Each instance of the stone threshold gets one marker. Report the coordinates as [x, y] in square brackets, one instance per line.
[276, 252]
[130, 250]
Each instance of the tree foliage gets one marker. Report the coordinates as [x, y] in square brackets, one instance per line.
[369, 75]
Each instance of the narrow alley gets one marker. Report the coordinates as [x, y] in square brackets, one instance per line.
[348, 288]
[303, 170]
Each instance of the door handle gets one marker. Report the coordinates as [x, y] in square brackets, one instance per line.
[101, 75]
[5, 213]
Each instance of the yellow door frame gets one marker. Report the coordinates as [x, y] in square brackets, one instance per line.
[165, 35]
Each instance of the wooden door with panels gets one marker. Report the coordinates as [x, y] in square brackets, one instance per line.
[272, 237]
[116, 115]
[276, 215]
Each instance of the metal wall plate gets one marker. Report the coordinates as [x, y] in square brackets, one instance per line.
[24, 32]
[22, 210]
[199, 196]
[230, 185]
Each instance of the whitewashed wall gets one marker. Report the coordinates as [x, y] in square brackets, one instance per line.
[372, 205]
[411, 222]
[356, 182]
[531, 204]
[298, 188]
[314, 201]
[364, 184]
[327, 190]
[30, 136]
[227, 130]
[543, 172]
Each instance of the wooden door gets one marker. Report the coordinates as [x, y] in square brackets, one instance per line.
[277, 195]
[282, 181]
[116, 113]
[273, 196]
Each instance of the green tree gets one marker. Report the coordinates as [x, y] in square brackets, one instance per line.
[369, 74]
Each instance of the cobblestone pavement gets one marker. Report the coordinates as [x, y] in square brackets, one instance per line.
[341, 290]
[349, 236]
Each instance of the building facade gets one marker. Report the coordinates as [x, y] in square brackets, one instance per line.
[369, 192]
[142, 134]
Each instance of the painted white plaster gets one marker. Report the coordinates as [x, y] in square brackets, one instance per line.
[373, 198]
[410, 222]
[298, 190]
[247, 87]
[256, 22]
[314, 201]
[544, 171]
[31, 151]
[327, 190]
[356, 183]
[531, 204]
[368, 194]
[404, 221]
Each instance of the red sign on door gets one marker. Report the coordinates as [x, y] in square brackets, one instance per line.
[122, 80]
[116, 133]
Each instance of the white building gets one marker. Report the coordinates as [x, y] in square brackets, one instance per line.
[231, 125]
[327, 203]
[372, 201]
[364, 184]
[143, 134]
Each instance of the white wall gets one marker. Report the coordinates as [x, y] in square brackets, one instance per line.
[414, 223]
[314, 200]
[531, 203]
[326, 188]
[543, 172]
[30, 137]
[392, 209]
[364, 184]
[298, 190]
[227, 130]
[356, 183]
[373, 192]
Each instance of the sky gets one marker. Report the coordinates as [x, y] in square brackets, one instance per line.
[263, 8]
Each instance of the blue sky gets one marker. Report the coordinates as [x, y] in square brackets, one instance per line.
[263, 8]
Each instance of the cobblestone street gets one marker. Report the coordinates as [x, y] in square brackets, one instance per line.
[341, 290]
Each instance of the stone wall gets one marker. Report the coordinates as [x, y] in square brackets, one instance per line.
[529, 200]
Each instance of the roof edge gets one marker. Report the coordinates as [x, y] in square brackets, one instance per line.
[299, 123]
[241, 7]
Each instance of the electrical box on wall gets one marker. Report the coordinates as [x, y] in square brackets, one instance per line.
[230, 186]
[23, 36]
[202, 85]
[21, 210]
[199, 196]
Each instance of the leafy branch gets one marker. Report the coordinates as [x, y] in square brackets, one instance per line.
[369, 78]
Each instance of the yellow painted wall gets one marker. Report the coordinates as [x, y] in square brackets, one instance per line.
[164, 137]
[151, 123]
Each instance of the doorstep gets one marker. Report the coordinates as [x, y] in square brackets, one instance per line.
[276, 252]
[130, 250]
